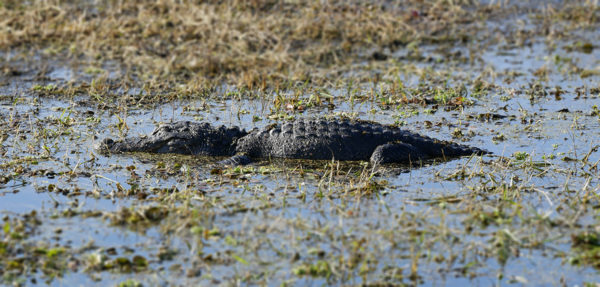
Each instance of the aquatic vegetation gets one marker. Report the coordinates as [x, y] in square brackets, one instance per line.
[517, 78]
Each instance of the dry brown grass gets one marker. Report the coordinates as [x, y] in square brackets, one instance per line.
[251, 44]
[245, 43]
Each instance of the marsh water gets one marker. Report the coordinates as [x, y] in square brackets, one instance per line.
[525, 214]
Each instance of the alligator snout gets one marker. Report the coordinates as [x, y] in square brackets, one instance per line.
[105, 145]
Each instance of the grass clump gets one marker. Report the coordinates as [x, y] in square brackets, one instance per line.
[250, 44]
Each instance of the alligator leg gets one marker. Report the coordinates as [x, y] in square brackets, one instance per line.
[238, 159]
[396, 153]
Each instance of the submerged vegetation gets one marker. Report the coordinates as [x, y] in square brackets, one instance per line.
[517, 78]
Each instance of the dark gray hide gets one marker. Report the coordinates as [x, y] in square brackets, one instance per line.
[301, 139]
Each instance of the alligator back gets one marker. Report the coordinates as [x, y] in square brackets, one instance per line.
[340, 140]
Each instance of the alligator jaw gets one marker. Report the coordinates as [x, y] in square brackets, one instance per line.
[109, 145]
[181, 138]
[144, 144]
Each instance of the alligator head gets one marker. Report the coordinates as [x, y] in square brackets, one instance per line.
[181, 138]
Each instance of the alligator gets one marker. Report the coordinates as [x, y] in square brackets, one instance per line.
[315, 139]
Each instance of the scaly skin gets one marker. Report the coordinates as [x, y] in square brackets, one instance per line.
[301, 139]
[182, 138]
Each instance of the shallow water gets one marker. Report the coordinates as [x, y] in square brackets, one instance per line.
[550, 132]
[503, 218]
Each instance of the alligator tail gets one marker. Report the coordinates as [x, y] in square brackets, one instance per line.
[438, 148]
